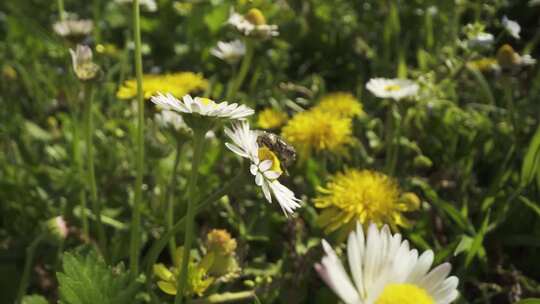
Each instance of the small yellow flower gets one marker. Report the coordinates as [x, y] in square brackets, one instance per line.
[318, 131]
[507, 57]
[222, 250]
[270, 118]
[176, 84]
[341, 103]
[198, 278]
[255, 16]
[365, 196]
[220, 240]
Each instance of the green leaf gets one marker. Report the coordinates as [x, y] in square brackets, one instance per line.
[529, 301]
[534, 207]
[531, 162]
[34, 299]
[476, 246]
[86, 279]
[36, 131]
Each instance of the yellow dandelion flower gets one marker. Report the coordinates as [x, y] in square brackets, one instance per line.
[176, 84]
[365, 196]
[341, 103]
[270, 118]
[318, 131]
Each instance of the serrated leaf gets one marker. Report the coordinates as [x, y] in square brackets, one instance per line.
[86, 279]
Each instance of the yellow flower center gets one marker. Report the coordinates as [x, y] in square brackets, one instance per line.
[404, 294]
[392, 87]
[255, 17]
[267, 154]
[206, 101]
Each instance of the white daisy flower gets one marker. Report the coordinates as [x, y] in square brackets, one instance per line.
[72, 27]
[171, 119]
[231, 52]
[149, 5]
[202, 106]
[253, 24]
[512, 27]
[392, 88]
[527, 60]
[385, 270]
[481, 40]
[265, 166]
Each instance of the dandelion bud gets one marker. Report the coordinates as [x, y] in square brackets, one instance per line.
[83, 66]
[255, 16]
[507, 57]
[219, 240]
[410, 199]
[56, 229]
[222, 249]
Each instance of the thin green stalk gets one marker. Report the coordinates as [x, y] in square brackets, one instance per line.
[61, 10]
[89, 131]
[169, 196]
[392, 140]
[244, 68]
[225, 297]
[160, 244]
[509, 99]
[136, 220]
[30, 253]
[198, 144]
[97, 19]
[80, 171]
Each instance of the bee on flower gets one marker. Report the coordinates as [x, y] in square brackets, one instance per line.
[385, 270]
[265, 165]
[230, 52]
[252, 24]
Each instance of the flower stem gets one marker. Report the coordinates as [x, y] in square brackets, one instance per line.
[169, 196]
[80, 171]
[30, 253]
[225, 297]
[511, 109]
[392, 138]
[244, 68]
[89, 131]
[198, 147]
[136, 219]
[159, 244]
[61, 10]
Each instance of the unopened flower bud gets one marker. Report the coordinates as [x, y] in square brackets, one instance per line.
[83, 66]
[422, 162]
[220, 241]
[507, 57]
[56, 228]
[255, 16]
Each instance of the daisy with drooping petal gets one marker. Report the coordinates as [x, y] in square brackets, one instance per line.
[385, 270]
[365, 196]
[392, 88]
[265, 166]
[171, 119]
[253, 24]
[83, 65]
[230, 52]
[202, 106]
[512, 27]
